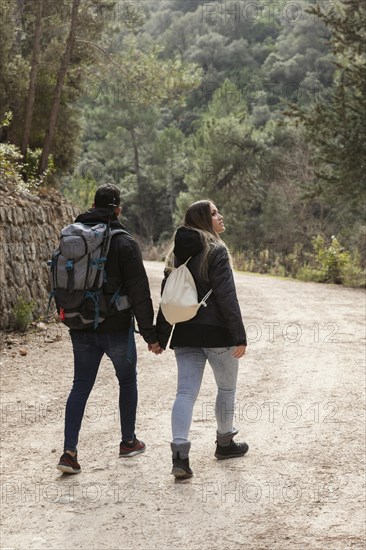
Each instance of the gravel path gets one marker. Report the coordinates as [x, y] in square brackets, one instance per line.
[300, 407]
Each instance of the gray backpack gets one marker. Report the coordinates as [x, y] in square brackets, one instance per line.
[77, 275]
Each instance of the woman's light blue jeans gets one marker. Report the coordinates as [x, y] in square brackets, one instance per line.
[191, 364]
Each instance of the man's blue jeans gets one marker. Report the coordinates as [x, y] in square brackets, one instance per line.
[191, 364]
[89, 348]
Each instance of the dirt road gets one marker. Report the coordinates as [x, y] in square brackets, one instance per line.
[300, 407]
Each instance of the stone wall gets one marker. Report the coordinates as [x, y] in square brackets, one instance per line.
[29, 231]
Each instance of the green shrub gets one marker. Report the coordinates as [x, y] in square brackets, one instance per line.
[23, 176]
[30, 168]
[353, 274]
[328, 262]
[332, 264]
[23, 312]
[307, 273]
[11, 164]
[331, 259]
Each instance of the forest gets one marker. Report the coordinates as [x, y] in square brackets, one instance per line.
[258, 105]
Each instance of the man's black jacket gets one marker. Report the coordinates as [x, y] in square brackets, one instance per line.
[124, 267]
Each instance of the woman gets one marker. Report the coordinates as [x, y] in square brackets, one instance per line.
[216, 334]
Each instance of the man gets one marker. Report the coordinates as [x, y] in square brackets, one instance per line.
[114, 336]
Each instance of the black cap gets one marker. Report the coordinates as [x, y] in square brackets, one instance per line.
[107, 195]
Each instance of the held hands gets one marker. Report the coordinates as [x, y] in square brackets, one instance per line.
[239, 351]
[155, 348]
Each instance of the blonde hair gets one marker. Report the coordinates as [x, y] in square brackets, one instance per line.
[198, 217]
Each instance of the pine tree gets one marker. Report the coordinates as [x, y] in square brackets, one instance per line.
[33, 77]
[335, 124]
[59, 87]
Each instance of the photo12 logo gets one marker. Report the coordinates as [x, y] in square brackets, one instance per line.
[26, 492]
[268, 11]
[273, 492]
[274, 411]
[291, 332]
[272, 91]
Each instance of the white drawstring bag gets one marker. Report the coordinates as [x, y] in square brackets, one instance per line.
[179, 301]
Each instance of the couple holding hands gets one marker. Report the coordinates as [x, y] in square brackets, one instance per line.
[216, 334]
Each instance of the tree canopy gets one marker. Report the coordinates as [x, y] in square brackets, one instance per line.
[260, 107]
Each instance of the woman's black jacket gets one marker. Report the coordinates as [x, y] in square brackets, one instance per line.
[219, 324]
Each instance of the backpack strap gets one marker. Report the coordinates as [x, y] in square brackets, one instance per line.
[122, 231]
[205, 298]
[70, 275]
[105, 249]
[115, 295]
[94, 296]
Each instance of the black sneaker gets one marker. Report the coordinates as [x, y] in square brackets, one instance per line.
[68, 464]
[232, 450]
[181, 469]
[131, 449]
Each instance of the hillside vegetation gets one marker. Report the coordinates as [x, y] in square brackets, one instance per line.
[258, 106]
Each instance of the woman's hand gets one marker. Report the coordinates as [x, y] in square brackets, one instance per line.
[155, 348]
[239, 351]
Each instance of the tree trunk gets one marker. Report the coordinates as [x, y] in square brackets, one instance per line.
[32, 78]
[146, 223]
[136, 162]
[59, 87]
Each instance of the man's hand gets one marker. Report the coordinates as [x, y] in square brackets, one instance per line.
[239, 351]
[155, 348]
